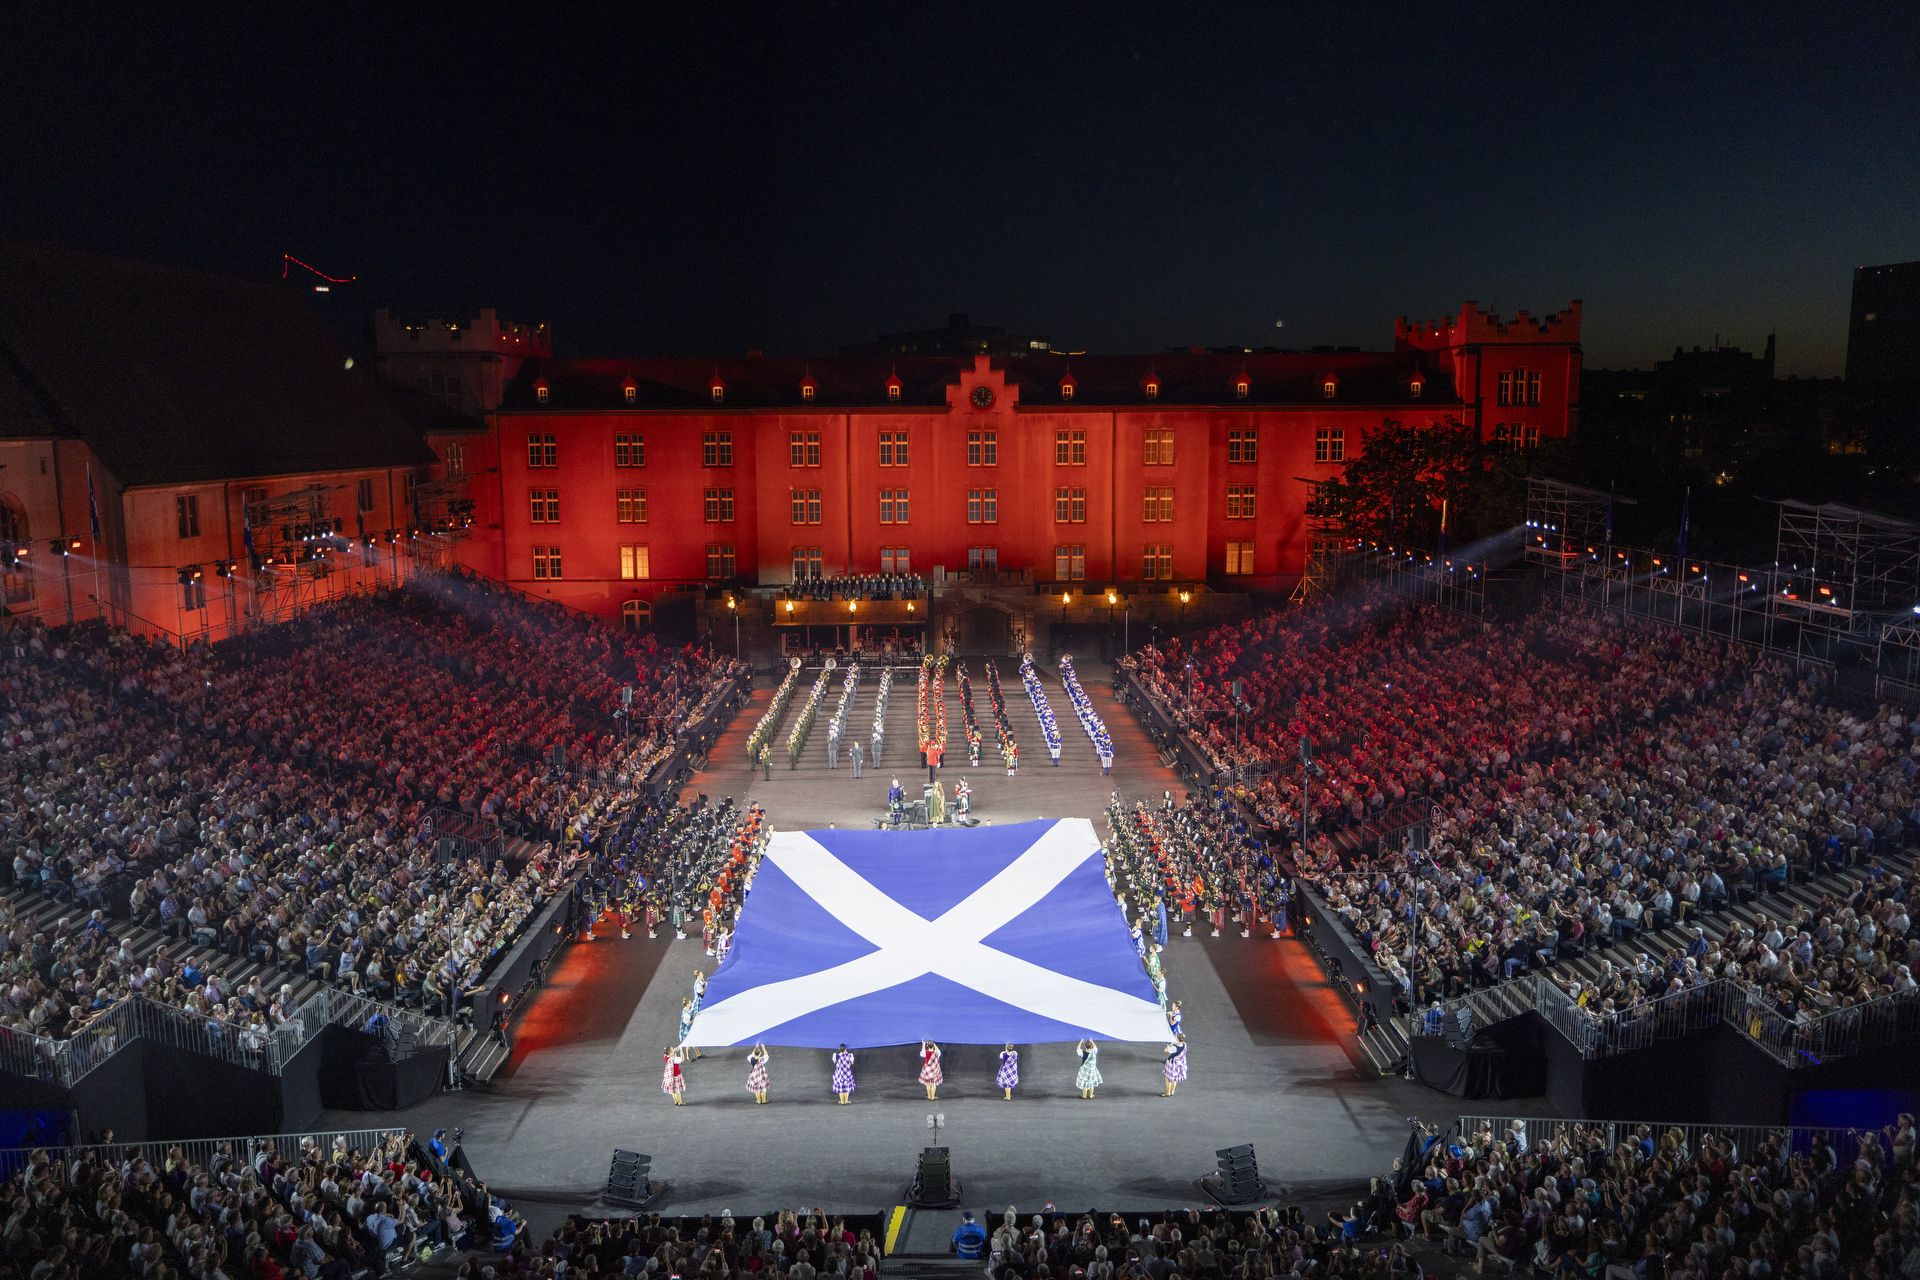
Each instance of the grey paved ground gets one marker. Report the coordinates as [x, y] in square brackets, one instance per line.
[1269, 1058]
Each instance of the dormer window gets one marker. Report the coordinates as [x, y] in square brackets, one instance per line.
[893, 391]
[1414, 388]
[630, 392]
[541, 391]
[1066, 391]
[1327, 389]
[1153, 389]
[806, 391]
[1240, 389]
[718, 392]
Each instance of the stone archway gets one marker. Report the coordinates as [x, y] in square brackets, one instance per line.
[985, 629]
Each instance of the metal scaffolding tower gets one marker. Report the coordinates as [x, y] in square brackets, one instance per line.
[1841, 576]
[1567, 523]
[1328, 546]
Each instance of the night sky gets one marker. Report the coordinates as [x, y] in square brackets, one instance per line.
[799, 177]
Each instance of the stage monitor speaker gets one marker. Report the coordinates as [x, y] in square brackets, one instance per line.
[629, 1180]
[933, 1185]
[1237, 1178]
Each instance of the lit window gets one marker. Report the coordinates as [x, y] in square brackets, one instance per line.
[546, 562]
[716, 449]
[1159, 447]
[1330, 444]
[545, 505]
[630, 506]
[629, 450]
[1240, 389]
[1153, 389]
[1158, 507]
[893, 448]
[1156, 562]
[718, 505]
[1327, 389]
[1239, 558]
[1243, 445]
[1069, 448]
[1414, 389]
[893, 391]
[1070, 505]
[540, 393]
[806, 391]
[1066, 391]
[543, 450]
[455, 457]
[633, 562]
[718, 391]
[632, 392]
[983, 448]
[1505, 393]
[1070, 563]
[1240, 502]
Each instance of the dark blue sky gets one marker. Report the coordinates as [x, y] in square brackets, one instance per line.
[1120, 178]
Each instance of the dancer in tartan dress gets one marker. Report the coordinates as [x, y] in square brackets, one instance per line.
[1087, 1079]
[1176, 1066]
[930, 1074]
[1009, 1074]
[757, 1073]
[843, 1075]
[673, 1082]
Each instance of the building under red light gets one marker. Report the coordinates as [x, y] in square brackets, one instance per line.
[619, 479]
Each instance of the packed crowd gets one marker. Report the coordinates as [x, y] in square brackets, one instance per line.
[1193, 861]
[272, 798]
[859, 586]
[1587, 1203]
[312, 1212]
[1725, 800]
[798, 1244]
[1397, 703]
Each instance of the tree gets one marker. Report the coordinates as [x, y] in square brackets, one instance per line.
[1397, 487]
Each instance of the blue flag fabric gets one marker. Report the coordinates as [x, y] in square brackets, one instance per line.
[966, 936]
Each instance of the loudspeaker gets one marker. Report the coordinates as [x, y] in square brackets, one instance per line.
[933, 1185]
[628, 1182]
[1237, 1179]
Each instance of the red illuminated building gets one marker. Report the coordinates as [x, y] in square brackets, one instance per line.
[619, 479]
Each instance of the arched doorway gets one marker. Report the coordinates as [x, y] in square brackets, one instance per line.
[986, 629]
[636, 615]
[16, 572]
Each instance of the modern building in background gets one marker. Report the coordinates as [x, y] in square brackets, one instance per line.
[1883, 327]
[960, 337]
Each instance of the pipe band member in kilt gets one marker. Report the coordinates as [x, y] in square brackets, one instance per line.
[930, 1073]
[1008, 1077]
[843, 1075]
[673, 1082]
[757, 1073]
[1087, 1078]
[1176, 1064]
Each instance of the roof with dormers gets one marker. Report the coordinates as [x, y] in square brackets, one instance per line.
[1274, 378]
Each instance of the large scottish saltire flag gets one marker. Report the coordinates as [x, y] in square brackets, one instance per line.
[964, 936]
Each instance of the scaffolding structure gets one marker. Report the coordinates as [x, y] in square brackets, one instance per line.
[1842, 576]
[1565, 522]
[1329, 547]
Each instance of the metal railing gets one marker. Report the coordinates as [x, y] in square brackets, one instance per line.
[1580, 1136]
[1792, 1042]
[204, 1152]
[406, 1031]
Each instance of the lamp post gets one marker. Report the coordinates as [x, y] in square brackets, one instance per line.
[1064, 598]
[1185, 597]
[733, 607]
[1112, 599]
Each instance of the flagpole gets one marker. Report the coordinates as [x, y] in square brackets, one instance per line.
[93, 523]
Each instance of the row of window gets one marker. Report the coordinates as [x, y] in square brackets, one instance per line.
[983, 448]
[1069, 561]
[807, 505]
[717, 390]
[1517, 386]
[186, 506]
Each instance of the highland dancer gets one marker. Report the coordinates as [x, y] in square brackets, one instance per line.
[1008, 1077]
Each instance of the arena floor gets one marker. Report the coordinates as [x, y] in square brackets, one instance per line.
[1269, 1053]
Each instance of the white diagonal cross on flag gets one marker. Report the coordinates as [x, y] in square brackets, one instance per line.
[951, 946]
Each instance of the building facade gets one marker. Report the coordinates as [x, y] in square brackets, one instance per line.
[620, 480]
[1883, 327]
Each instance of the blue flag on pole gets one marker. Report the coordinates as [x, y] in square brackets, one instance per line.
[968, 936]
